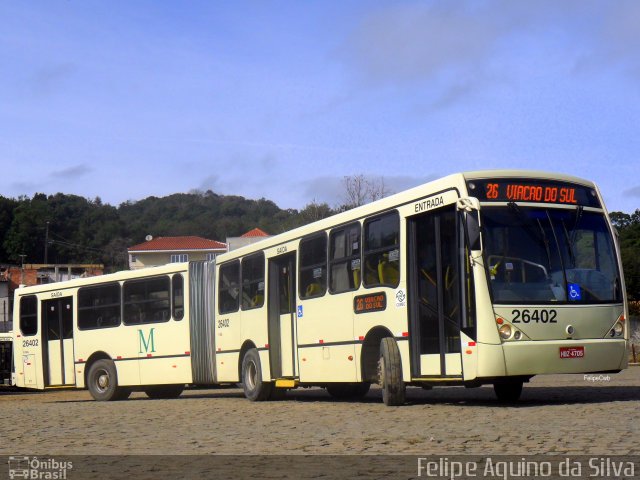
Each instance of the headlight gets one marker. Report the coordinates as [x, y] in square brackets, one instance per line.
[505, 331]
[618, 329]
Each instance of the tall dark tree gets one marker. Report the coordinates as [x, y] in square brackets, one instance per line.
[7, 208]
[26, 234]
[628, 226]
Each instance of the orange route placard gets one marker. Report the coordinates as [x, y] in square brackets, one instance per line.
[372, 302]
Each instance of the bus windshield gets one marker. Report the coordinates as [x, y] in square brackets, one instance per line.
[540, 255]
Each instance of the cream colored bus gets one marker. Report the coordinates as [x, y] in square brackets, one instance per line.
[110, 334]
[477, 278]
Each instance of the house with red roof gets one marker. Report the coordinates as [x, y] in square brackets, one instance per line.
[163, 250]
[252, 236]
[256, 232]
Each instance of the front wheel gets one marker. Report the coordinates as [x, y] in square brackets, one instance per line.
[508, 391]
[254, 388]
[390, 373]
[102, 382]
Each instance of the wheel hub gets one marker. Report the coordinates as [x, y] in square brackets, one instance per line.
[103, 381]
[251, 375]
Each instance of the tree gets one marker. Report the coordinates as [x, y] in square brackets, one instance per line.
[620, 220]
[378, 189]
[359, 190]
[26, 234]
[7, 208]
[629, 230]
[355, 190]
[315, 211]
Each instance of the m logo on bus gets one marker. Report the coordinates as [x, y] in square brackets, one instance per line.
[146, 342]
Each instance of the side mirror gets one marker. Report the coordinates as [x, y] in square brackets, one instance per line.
[469, 208]
[472, 227]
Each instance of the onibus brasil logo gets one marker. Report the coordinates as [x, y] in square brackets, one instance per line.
[35, 468]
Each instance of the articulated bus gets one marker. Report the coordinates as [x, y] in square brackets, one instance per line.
[477, 278]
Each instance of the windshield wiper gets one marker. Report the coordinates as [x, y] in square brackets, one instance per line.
[570, 238]
[574, 230]
[546, 241]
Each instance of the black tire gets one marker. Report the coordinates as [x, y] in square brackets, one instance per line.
[164, 391]
[508, 391]
[390, 373]
[254, 388]
[102, 382]
[344, 391]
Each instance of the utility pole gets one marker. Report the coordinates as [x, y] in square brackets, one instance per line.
[46, 245]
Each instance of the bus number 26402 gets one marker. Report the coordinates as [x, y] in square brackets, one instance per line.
[534, 316]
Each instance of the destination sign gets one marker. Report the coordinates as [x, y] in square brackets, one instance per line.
[532, 191]
[373, 302]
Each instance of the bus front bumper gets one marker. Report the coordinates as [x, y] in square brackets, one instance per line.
[565, 356]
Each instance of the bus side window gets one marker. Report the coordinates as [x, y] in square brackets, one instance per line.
[344, 259]
[229, 287]
[146, 300]
[253, 281]
[177, 296]
[29, 315]
[99, 306]
[382, 250]
[313, 266]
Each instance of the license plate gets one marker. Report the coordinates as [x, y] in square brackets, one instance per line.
[571, 352]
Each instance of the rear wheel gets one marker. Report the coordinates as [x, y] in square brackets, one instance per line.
[508, 391]
[348, 390]
[164, 391]
[254, 388]
[102, 382]
[390, 373]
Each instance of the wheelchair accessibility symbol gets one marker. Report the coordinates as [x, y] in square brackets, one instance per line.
[574, 292]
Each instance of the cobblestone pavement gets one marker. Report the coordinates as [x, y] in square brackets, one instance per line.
[559, 414]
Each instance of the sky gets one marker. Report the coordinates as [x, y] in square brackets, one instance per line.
[282, 99]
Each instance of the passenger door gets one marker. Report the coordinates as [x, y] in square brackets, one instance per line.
[435, 293]
[57, 341]
[282, 310]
